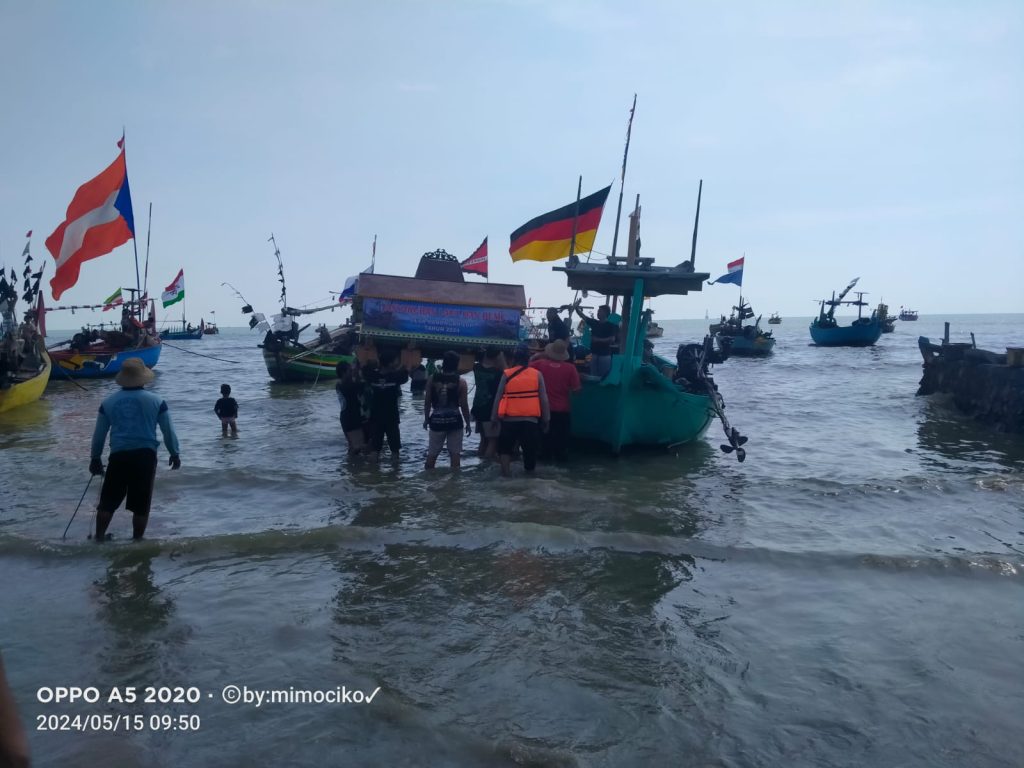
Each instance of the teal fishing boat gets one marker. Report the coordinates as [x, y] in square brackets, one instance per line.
[646, 400]
[862, 332]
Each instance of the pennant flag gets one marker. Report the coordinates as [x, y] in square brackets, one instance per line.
[547, 237]
[113, 300]
[352, 285]
[477, 262]
[29, 233]
[98, 220]
[734, 275]
[174, 292]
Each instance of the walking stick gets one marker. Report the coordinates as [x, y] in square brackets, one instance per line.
[79, 505]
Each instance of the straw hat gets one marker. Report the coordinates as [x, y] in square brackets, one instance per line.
[557, 350]
[133, 373]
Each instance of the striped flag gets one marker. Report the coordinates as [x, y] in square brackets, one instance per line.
[174, 292]
[733, 275]
[113, 300]
[98, 220]
[477, 262]
[547, 237]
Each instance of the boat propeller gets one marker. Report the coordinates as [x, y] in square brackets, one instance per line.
[736, 441]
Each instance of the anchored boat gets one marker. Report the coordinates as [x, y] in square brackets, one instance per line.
[908, 314]
[646, 400]
[887, 321]
[774, 319]
[862, 332]
[735, 338]
[24, 364]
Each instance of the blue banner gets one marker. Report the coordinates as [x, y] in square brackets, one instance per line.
[424, 319]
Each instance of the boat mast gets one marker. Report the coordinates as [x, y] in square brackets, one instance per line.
[149, 230]
[696, 220]
[135, 243]
[280, 269]
[622, 184]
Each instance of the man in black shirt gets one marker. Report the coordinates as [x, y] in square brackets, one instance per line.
[603, 336]
[385, 386]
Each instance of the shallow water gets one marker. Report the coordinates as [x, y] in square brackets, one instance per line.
[850, 595]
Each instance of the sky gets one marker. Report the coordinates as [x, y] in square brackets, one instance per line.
[835, 140]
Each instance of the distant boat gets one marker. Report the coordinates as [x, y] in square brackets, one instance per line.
[908, 314]
[172, 333]
[211, 329]
[654, 331]
[735, 338]
[863, 332]
[774, 319]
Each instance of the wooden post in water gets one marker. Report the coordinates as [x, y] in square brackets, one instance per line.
[973, 342]
[945, 334]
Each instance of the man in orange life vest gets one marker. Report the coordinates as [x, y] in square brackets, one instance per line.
[521, 404]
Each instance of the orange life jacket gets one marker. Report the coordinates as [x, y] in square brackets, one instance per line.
[521, 398]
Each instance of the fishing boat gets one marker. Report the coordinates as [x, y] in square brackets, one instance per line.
[735, 338]
[908, 314]
[887, 321]
[644, 399]
[95, 352]
[730, 334]
[654, 331]
[185, 332]
[24, 364]
[862, 332]
[774, 319]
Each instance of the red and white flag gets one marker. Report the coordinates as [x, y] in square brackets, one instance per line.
[98, 220]
[477, 262]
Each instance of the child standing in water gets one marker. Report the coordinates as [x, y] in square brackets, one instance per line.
[227, 409]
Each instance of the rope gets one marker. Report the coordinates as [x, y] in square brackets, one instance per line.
[200, 354]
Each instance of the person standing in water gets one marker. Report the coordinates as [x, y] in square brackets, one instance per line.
[227, 409]
[446, 411]
[131, 416]
[521, 404]
[385, 385]
[351, 390]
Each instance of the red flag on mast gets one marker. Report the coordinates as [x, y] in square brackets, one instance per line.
[477, 262]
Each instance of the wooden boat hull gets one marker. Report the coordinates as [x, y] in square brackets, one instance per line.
[644, 410]
[181, 335]
[856, 335]
[99, 363]
[28, 391]
[288, 365]
[742, 346]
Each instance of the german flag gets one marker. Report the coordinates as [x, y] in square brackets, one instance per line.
[547, 237]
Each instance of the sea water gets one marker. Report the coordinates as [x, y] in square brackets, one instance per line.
[850, 595]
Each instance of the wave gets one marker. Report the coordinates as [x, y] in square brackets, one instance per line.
[549, 540]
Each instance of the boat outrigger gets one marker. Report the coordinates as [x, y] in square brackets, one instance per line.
[862, 332]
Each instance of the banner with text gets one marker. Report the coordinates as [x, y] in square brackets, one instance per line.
[393, 317]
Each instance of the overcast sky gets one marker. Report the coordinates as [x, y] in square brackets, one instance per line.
[835, 140]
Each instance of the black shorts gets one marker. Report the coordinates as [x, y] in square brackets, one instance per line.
[131, 474]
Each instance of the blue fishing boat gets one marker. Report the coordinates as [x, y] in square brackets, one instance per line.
[862, 332]
[99, 361]
[735, 338]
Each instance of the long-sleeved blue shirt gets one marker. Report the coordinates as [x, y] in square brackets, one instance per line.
[131, 416]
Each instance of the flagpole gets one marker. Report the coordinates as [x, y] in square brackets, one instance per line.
[575, 219]
[149, 229]
[135, 242]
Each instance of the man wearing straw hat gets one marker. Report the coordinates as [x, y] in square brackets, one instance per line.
[561, 379]
[131, 416]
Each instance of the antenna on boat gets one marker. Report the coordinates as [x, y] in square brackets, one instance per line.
[280, 270]
[696, 220]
